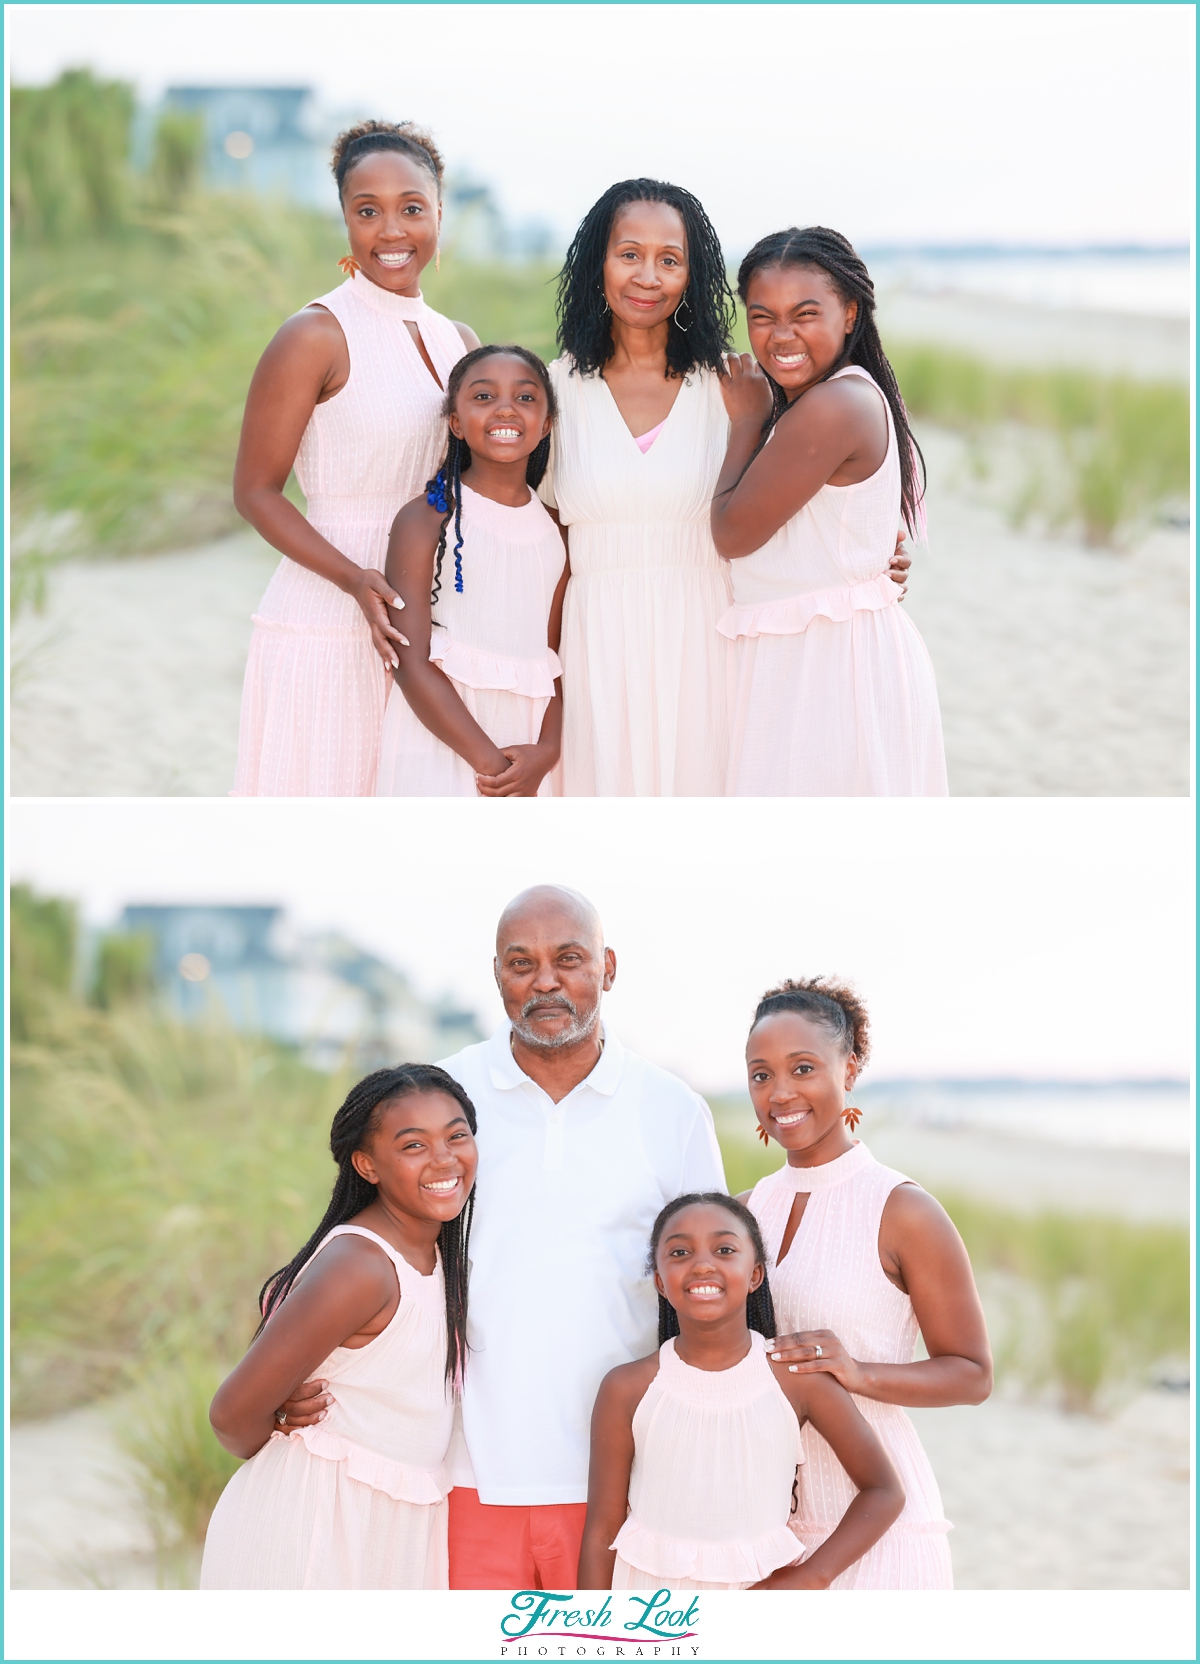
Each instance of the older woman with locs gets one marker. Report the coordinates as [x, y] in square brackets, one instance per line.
[350, 393]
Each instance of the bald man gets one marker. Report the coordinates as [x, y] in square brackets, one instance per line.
[580, 1145]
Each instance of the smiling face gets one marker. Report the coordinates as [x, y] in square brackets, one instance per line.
[501, 409]
[798, 324]
[646, 266]
[706, 1265]
[392, 213]
[421, 1155]
[799, 1078]
[552, 968]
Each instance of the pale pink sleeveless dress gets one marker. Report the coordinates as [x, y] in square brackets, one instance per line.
[717, 1457]
[314, 693]
[358, 1501]
[490, 641]
[832, 690]
[831, 1278]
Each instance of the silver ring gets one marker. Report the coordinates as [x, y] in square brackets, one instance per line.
[281, 1417]
[818, 1353]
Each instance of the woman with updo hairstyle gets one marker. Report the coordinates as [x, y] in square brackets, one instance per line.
[349, 393]
[834, 692]
[862, 1264]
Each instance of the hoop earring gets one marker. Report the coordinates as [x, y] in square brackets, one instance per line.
[678, 310]
[851, 1117]
[762, 1133]
[349, 265]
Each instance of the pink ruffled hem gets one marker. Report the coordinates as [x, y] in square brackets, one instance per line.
[791, 615]
[820, 1530]
[705, 1562]
[531, 678]
[401, 1483]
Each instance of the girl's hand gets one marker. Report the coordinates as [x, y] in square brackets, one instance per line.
[745, 389]
[793, 1577]
[375, 595]
[816, 1351]
[899, 564]
[528, 766]
[309, 1405]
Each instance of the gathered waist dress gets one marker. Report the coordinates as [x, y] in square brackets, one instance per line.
[717, 1458]
[359, 1500]
[832, 691]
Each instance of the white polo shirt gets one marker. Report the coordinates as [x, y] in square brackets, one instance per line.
[559, 1294]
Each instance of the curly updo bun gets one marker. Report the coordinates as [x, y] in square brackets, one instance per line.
[834, 1005]
[369, 137]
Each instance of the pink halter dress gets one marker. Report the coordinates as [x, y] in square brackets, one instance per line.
[359, 1500]
[831, 1278]
[315, 688]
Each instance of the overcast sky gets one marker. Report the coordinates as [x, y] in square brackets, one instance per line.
[947, 123]
[1037, 938]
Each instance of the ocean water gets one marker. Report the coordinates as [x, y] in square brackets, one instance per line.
[1146, 282]
[1117, 1115]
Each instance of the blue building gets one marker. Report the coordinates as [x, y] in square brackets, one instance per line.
[265, 139]
[321, 993]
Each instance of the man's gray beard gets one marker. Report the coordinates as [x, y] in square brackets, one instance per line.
[576, 1031]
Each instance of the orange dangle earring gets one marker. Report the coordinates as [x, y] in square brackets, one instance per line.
[349, 265]
[762, 1133]
[851, 1117]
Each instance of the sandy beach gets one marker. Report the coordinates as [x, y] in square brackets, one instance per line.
[1062, 670]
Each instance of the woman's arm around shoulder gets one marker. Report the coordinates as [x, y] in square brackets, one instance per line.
[349, 1287]
[621, 1391]
[880, 1496]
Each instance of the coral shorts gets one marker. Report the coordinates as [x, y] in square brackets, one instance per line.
[501, 1547]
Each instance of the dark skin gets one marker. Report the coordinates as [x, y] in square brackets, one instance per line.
[831, 434]
[800, 1081]
[502, 412]
[393, 212]
[422, 1159]
[706, 1266]
[549, 948]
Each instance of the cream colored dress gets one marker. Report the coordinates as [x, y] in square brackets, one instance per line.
[644, 668]
[833, 692]
[490, 640]
[315, 688]
[716, 1465]
[358, 1501]
[831, 1278]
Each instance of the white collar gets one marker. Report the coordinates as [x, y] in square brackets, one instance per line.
[506, 1072]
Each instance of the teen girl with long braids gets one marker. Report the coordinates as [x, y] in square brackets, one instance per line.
[863, 1262]
[833, 690]
[480, 568]
[697, 1464]
[349, 392]
[375, 1303]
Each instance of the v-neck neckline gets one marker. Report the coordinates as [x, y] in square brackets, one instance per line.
[633, 437]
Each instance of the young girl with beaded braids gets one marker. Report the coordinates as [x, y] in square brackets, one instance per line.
[376, 1304]
[480, 568]
[833, 691]
[863, 1262]
[697, 1464]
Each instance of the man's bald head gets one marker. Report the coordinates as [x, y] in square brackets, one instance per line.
[552, 967]
[538, 907]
